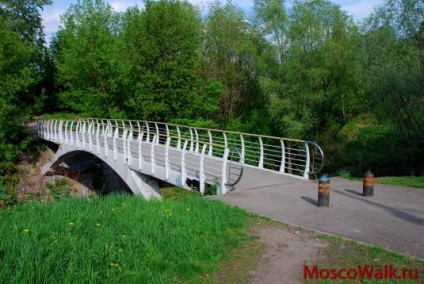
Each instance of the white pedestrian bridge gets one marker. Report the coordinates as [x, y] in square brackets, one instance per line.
[141, 152]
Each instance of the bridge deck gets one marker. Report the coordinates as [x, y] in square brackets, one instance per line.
[393, 218]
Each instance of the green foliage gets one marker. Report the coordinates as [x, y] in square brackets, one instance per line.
[303, 70]
[318, 93]
[394, 74]
[228, 57]
[8, 196]
[20, 47]
[118, 239]
[87, 56]
[57, 190]
[162, 44]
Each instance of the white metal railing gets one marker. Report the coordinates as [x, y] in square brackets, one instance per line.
[292, 157]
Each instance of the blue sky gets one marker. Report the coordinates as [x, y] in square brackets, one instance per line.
[51, 14]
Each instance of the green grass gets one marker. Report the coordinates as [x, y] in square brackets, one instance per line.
[407, 181]
[417, 182]
[365, 143]
[118, 239]
[342, 253]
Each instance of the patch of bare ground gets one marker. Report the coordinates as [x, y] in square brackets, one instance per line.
[33, 183]
[275, 253]
[287, 250]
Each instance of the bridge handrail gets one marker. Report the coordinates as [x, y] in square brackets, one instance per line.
[288, 156]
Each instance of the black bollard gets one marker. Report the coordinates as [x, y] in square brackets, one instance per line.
[323, 191]
[368, 188]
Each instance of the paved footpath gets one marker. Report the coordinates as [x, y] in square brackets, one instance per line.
[393, 218]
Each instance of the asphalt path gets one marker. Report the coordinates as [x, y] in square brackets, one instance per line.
[393, 218]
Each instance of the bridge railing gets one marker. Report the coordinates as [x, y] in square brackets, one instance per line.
[298, 158]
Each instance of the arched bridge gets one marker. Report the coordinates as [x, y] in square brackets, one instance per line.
[180, 155]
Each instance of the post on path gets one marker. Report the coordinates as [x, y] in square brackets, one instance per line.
[323, 191]
[368, 186]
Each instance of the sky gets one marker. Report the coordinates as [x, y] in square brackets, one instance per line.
[358, 9]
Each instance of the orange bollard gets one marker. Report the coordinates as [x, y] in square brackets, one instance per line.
[368, 188]
[323, 191]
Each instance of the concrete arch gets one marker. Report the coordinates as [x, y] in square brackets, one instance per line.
[139, 183]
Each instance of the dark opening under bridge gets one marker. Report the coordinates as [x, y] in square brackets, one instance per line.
[141, 152]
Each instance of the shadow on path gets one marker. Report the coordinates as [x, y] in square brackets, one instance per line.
[395, 212]
[310, 200]
[353, 192]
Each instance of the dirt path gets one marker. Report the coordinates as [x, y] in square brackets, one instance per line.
[286, 252]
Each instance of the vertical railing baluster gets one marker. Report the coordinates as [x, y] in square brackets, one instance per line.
[179, 137]
[115, 148]
[105, 135]
[60, 131]
[97, 136]
[242, 148]
[183, 165]
[83, 133]
[152, 155]
[191, 140]
[77, 134]
[124, 142]
[66, 132]
[307, 164]
[168, 142]
[130, 138]
[283, 157]
[157, 133]
[210, 152]
[148, 132]
[202, 171]
[71, 133]
[140, 153]
[197, 141]
[261, 157]
[90, 131]
[223, 187]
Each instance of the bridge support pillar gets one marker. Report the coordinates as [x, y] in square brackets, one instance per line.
[142, 184]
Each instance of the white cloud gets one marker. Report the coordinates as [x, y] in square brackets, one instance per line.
[358, 9]
[121, 6]
[51, 20]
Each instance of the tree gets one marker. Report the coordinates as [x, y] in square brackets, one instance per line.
[229, 55]
[20, 46]
[394, 73]
[318, 90]
[88, 55]
[162, 44]
[271, 20]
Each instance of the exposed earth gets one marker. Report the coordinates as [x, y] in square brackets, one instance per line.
[287, 250]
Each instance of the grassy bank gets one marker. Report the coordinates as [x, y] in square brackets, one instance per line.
[118, 239]
[125, 239]
[407, 181]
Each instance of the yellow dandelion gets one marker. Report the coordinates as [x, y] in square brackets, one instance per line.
[26, 230]
[72, 224]
[114, 264]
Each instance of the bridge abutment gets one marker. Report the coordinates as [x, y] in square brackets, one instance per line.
[69, 157]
